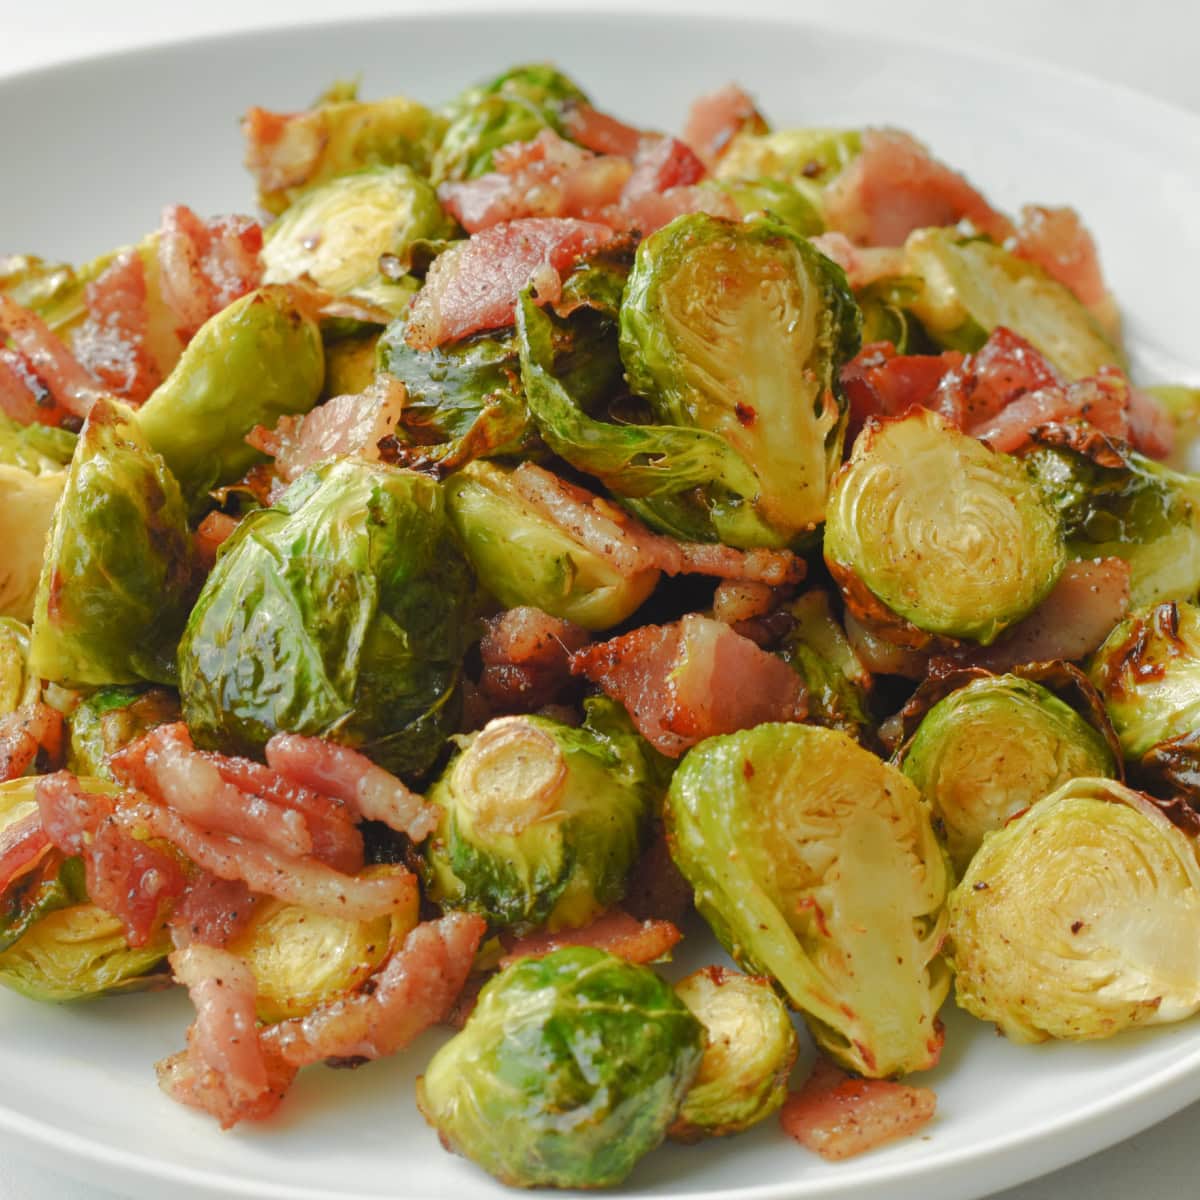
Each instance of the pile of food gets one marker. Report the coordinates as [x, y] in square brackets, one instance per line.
[414, 606]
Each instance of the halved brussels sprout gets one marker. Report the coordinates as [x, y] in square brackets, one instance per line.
[740, 329]
[112, 718]
[522, 558]
[570, 1069]
[991, 749]
[935, 527]
[254, 362]
[542, 822]
[343, 610]
[335, 233]
[1129, 507]
[971, 285]
[308, 148]
[751, 1050]
[117, 579]
[27, 504]
[836, 681]
[816, 864]
[806, 159]
[301, 958]
[1148, 671]
[786, 203]
[1080, 919]
[18, 685]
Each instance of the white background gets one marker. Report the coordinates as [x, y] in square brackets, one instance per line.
[1153, 45]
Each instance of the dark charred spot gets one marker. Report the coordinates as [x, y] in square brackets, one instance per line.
[745, 414]
[813, 169]
[981, 886]
[747, 769]
[1076, 926]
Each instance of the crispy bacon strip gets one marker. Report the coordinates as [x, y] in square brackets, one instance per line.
[23, 733]
[212, 911]
[616, 931]
[601, 132]
[415, 989]
[370, 791]
[715, 119]
[211, 534]
[838, 1116]
[23, 845]
[526, 662]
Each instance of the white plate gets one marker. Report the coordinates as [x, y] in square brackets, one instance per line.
[91, 152]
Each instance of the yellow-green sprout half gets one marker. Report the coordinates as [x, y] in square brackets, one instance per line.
[1080, 919]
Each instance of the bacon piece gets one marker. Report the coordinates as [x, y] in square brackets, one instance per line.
[716, 119]
[370, 791]
[661, 188]
[24, 397]
[526, 660]
[211, 534]
[188, 1081]
[74, 391]
[838, 1116]
[343, 425]
[1151, 428]
[23, 733]
[1103, 402]
[894, 187]
[475, 284]
[690, 680]
[167, 767]
[881, 383]
[983, 384]
[616, 931]
[601, 132]
[212, 911]
[1089, 598]
[661, 164]
[229, 259]
[282, 149]
[415, 989]
[23, 846]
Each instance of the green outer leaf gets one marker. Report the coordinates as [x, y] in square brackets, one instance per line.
[35, 448]
[569, 1070]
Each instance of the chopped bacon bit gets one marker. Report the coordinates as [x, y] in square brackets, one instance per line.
[600, 132]
[716, 119]
[838, 1116]
[616, 931]
[980, 386]
[281, 148]
[167, 767]
[526, 659]
[188, 1081]
[24, 397]
[881, 383]
[661, 164]
[1103, 402]
[212, 911]
[894, 187]
[211, 534]
[417, 988]
[32, 728]
[475, 284]
[1151, 428]
[370, 791]
[23, 845]
[690, 680]
[342, 426]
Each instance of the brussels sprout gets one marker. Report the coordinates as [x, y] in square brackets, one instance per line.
[337, 138]
[27, 504]
[350, 364]
[935, 527]
[55, 291]
[786, 203]
[816, 864]
[541, 823]
[751, 1050]
[806, 159]
[971, 285]
[112, 718]
[836, 681]
[514, 107]
[335, 232]
[885, 306]
[117, 579]
[1148, 671]
[343, 610]
[255, 361]
[570, 1069]
[1183, 405]
[994, 747]
[35, 448]
[18, 686]
[1127, 507]
[522, 558]
[740, 330]
[301, 958]
[1080, 919]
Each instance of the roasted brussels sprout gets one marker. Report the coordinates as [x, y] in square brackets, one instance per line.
[806, 159]
[836, 681]
[27, 504]
[740, 329]
[350, 364]
[542, 822]
[991, 749]
[522, 558]
[335, 233]
[751, 1050]
[570, 1069]
[964, 561]
[816, 864]
[308, 148]
[1080, 919]
[1127, 507]
[970, 285]
[1148, 671]
[117, 579]
[343, 610]
[786, 203]
[18, 685]
[254, 362]
[301, 958]
[111, 718]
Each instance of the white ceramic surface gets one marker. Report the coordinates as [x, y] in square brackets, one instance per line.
[93, 150]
